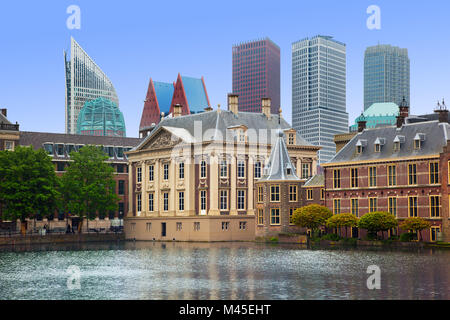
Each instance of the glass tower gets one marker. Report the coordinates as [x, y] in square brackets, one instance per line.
[256, 74]
[386, 75]
[319, 92]
[85, 81]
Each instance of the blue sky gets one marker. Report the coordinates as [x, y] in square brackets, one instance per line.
[132, 41]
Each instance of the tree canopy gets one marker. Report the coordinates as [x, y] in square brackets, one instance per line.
[377, 221]
[88, 186]
[312, 216]
[28, 183]
[415, 224]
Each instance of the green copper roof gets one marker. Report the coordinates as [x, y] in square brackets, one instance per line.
[377, 114]
[101, 117]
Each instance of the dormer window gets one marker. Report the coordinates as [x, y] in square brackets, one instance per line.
[398, 140]
[418, 140]
[288, 171]
[396, 146]
[48, 147]
[360, 146]
[378, 143]
[290, 139]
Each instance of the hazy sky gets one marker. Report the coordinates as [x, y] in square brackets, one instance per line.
[132, 41]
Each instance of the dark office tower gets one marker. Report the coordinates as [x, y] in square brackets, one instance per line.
[256, 74]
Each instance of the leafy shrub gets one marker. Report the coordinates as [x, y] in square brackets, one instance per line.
[406, 237]
[331, 237]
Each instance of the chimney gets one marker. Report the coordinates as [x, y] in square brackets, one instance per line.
[265, 107]
[233, 103]
[361, 123]
[404, 109]
[442, 111]
[176, 110]
[4, 112]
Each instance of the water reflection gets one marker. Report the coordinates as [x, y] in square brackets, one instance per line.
[237, 271]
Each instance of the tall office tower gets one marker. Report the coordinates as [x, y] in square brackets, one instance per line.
[386, 75]
[256, 74]
[319, 92]
[85, 81]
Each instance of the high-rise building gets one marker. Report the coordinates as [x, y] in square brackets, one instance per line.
[386, 75]
[85, 81]
[319, 92]
[256, 74]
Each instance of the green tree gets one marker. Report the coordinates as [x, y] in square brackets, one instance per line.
[88, 186]
[415, 224]
[377, 221]
[342, 220]
[28, 184]
[312, 216]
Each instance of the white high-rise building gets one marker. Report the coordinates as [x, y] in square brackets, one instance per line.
[85, 81]
[319, 92]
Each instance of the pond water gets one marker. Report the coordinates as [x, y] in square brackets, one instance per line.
[155, 270]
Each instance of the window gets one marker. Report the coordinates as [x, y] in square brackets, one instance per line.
[322, 194]
[358, 149]
[434, 233]
[291, 140]
[354, 177]
[196, 226]
[373, 204]
[260, 216]
[139, 202]
[242, 225]
[121, 187]
[354, 207]
[396, 146]
[202, 199]
[292, 193]
[223, 199]
[275, 216]
[412, 174]
[60, 166]
[203, 169]
[181, 200]
[166, 171]
[225, 225]
[377, 147]
[48, 147]
[258, 169]
[179, 226]
[139, 174]
[120, 168]
[9, 145]
[434, 172]
[150, 202]
[306, 170]
[151, 173]
[148, 226]
[336, 206]
[166, 201]
[336, 179]
[60, 150]
[241, 169]
[309, 194]
[291, 215]
[119, 151]
[392, 206]
[412, 206]
[241, 200]
[275, 193]
[435, 205]
[260, 194]
[181, 170]
[223, 169]
[392, 175]
[372, 176]
[417, 144]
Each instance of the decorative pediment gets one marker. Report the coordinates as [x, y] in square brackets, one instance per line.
[162, 139]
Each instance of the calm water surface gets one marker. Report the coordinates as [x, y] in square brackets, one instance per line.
[147, 270]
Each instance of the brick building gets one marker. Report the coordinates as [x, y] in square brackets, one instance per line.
[401, 169]
[314, 190]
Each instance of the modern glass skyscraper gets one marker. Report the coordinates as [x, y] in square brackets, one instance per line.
[85, 81]
[319, 92]
[256, 74]
[386, 75]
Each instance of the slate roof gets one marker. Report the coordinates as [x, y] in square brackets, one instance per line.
[215, 126]
[279, 166]
[315, 181]
[435, 134]
[37, 140]
[3, 119]
[164, 94]
[195, 94]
